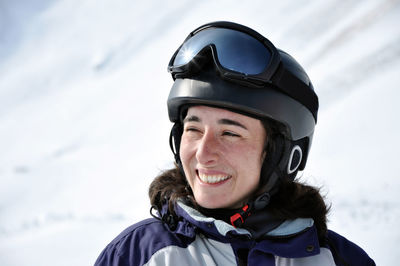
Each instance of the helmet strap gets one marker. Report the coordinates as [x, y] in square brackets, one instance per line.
[174, 144]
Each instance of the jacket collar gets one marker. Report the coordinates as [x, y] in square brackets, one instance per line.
[298, 237]
[285, 229]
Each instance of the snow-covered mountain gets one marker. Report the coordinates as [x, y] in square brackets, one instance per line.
[84, 125]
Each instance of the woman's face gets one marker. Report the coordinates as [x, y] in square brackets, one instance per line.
[222, 154]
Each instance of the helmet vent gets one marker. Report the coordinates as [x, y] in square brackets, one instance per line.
[295, 159]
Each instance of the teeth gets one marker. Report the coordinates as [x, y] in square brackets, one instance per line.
[213, 178]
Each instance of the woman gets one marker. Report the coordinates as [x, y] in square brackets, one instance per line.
[244, 114]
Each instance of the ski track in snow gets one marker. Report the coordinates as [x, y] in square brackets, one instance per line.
[79, 79]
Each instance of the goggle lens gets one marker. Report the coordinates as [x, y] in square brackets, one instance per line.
[235, 50]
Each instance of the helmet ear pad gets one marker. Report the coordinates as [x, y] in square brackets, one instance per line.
[295, 157]
[284, 158]
[299, 154]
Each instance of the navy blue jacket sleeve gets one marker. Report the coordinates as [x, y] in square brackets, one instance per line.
[346, 252]
[137, 244]
[134, 246]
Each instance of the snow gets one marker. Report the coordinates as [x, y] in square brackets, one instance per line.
[84, 127]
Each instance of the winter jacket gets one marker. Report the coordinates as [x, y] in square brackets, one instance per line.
[199, 240]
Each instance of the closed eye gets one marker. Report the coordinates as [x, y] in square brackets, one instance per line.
[193, 129]
[230, 134]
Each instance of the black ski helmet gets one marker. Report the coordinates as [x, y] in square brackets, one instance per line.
[228, 65]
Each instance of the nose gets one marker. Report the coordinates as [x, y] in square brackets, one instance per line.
[207, 150]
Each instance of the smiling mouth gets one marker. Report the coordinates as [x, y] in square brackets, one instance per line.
[212, 179]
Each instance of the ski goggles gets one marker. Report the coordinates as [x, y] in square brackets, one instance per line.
[238, 53]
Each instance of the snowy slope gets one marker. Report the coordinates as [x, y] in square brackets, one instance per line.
[84, 127]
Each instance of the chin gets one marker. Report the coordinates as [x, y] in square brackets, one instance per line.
[209, 204]
[214, 205]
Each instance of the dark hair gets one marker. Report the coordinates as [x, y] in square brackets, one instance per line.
[293, 200]
[170, 186]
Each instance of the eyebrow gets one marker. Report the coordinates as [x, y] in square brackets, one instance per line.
[192, 118]
[223, 121]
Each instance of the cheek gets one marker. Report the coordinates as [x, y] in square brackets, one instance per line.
[249, 160]
[246, 152]
[185, 151]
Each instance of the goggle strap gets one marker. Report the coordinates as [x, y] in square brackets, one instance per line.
[303, 93]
